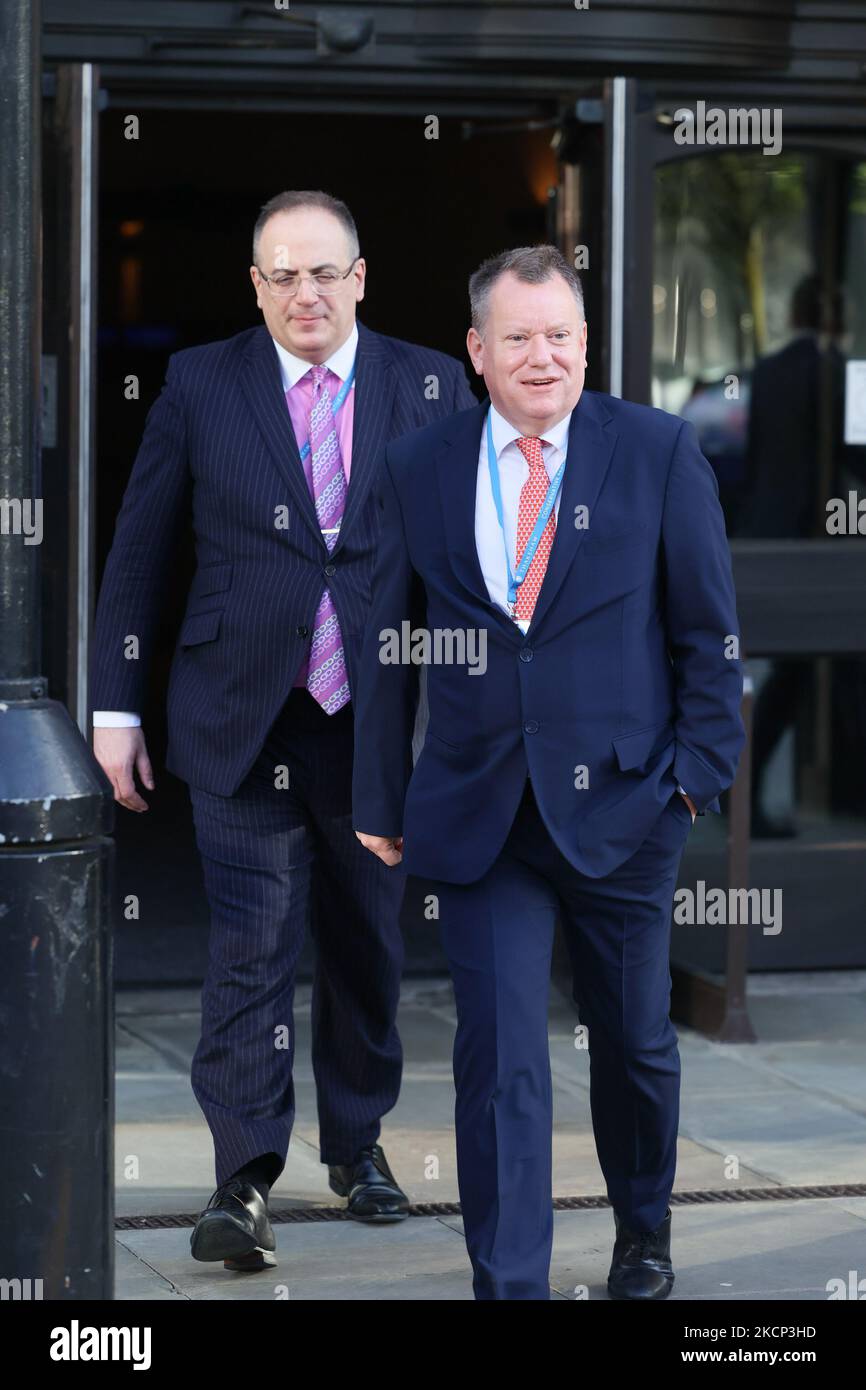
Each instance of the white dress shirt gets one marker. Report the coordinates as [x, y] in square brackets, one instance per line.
[513, 473]
[292, 368]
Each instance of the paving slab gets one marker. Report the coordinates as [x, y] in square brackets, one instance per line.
[136, 1280]
[790, 1135]
[778, 1251]
[775, 1020]
[835, 1070]
[753, 1251]
[418, 1259]
[790, 1108]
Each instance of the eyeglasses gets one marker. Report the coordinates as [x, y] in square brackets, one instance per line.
[325, 282]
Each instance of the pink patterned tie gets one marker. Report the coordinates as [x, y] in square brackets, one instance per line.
[327, 679]
[532, 496]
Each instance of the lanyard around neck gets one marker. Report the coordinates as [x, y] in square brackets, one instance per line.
[335, 406]
[516, 578]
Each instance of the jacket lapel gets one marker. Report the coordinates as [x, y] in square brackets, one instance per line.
[262, 385]
[590, 447]
[457, 467]
[373, 408]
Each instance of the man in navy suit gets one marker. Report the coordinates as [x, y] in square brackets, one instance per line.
[577, 540]
[271, 442]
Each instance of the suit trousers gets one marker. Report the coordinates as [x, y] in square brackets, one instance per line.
[276, 859]
[498, 936]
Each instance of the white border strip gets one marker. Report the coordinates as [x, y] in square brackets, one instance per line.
[617, 234]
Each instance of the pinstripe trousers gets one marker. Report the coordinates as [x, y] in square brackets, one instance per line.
[276, 859]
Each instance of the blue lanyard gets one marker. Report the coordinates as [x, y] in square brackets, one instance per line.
[335, 406]
[517, 578]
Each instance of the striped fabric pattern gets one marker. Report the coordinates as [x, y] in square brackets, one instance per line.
[219, 451]
[327, 681]
[267, 882]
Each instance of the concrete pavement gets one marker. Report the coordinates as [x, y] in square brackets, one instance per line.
[789, 1110]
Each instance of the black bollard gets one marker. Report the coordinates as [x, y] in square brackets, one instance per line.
[56, 809]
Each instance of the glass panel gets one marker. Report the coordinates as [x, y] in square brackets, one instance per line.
[759, 303]
[809, 823]
[759, 308]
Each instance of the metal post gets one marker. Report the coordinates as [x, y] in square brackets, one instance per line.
[79, 86]
[56, 808]
[736, 1026]
[630, 144]
[617, 206]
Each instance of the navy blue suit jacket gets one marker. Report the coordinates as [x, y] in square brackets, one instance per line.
[626, 670]
[219, 449]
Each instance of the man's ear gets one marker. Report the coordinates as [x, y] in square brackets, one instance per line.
[475, 348]
[257, 287]
[360, 285]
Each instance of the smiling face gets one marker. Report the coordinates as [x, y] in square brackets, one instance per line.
[305, 241]
[533, 352]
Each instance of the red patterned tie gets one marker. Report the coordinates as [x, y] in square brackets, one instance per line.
[532, 496]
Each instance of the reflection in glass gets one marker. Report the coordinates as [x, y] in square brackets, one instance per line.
[759, 303]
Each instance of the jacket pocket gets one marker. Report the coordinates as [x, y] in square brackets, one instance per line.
[636, 749]
[453, 747]
[634, 538]
[211, 579]
[200, 627]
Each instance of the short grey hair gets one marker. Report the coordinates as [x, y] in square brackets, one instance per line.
[532, 264]
[306, 198]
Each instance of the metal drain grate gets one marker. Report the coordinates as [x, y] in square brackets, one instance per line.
[291, 1215]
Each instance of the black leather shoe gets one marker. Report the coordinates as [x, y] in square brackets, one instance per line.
[370, 1187]
[641, 1267]
[234, 1228]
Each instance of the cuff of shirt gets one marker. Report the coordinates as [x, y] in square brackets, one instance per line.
[683, 792]
[115, 719]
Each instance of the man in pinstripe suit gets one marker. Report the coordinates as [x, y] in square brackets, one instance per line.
[271, 441]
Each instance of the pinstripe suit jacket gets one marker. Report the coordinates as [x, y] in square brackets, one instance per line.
[219, 448]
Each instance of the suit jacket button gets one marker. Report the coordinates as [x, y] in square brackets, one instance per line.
[330, 570]
[526, 653]
[531, 726]
[302, 631]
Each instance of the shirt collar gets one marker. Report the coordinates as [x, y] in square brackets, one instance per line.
[504, 432]
[292, 368]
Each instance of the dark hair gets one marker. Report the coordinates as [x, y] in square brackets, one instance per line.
[817, 307]
[308, 198]
[531, 264]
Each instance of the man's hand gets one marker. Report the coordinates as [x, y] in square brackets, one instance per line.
[389, 851]
[691, 805]
[118, 752]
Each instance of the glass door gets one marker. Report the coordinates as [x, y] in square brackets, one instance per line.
[759, 339]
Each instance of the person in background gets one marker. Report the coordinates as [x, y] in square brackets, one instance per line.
[271, 442]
